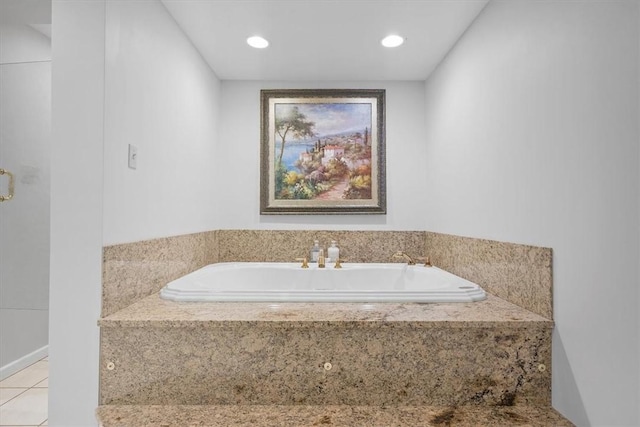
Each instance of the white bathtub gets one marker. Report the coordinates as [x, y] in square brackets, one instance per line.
[283, 282]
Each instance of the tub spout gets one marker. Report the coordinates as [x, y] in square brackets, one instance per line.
[321, 259]
[401, 254]
[426, 260]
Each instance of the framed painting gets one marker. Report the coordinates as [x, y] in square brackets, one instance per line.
[322, 151]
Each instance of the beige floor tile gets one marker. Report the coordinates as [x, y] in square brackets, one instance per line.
[29, 408]
[28, 377]
[6, 394]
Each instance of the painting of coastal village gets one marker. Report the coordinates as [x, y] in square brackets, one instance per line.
[322, 151]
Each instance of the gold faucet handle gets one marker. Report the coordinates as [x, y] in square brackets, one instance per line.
[305, 262]
[338, 263]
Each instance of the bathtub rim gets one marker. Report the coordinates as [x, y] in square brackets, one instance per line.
[471, 292]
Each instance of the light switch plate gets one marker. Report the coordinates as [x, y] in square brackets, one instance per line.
[133, 157]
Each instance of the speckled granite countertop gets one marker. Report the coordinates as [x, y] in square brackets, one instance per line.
[351, 416]
[153, 311]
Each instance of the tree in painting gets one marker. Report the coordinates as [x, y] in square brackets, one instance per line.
[293, 124]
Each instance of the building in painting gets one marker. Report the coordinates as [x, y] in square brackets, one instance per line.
[305, 157]
[333, 152]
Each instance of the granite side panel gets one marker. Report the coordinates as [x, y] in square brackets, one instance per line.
[266, 365]
[132, 271]
[287, 245]
[332, 415]
[520, 274]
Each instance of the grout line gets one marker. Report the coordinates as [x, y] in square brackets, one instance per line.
[25, 389]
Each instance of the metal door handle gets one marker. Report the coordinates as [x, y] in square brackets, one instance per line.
[11, 186]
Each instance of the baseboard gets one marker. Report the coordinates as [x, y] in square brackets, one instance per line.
[19, 364]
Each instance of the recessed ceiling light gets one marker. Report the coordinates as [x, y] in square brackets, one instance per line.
[257, 42]
[392, 41]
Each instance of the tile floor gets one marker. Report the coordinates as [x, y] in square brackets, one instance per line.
[23, 396]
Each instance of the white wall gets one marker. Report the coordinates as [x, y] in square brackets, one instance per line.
[20, 43]
[239, 160]
[161, 97]
[532, 137]
[76, 210]
[25, 129]
[122, 73]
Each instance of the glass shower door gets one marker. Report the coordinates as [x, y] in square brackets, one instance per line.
[25, 123]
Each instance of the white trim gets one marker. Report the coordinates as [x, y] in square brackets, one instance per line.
[19, 364]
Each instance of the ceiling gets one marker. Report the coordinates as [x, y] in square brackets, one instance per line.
[320, 40]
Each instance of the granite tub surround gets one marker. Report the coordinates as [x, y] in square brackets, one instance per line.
[329, 415]
[520, 274]
[389, 354]
[287, 245]
[155, 312]
[393, 364]
[262, 365]
[132, 271]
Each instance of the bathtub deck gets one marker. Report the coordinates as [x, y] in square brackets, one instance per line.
[153, 311]
[346, 416]
[483, 353]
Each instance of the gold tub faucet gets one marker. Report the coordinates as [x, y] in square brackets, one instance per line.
[401, 254]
